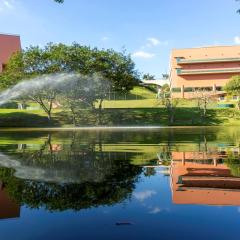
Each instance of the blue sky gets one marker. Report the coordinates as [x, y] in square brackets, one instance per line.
[148, 29]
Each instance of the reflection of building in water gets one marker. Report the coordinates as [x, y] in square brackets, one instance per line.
[202, 178]
[8, 207]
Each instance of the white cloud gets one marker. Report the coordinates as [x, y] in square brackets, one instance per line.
[8, 4]
[143, 54]
[105, 38]
[237, 39]
[141, 196]
[153, 42]
[155, 210]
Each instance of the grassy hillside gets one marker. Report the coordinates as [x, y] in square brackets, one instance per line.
[140, 108]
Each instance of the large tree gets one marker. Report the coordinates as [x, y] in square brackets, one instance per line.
[115, 67]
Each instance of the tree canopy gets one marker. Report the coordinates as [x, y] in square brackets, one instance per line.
[233, 86]
[117, 67]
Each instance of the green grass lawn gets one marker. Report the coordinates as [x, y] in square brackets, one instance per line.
[143, 109]
[185, 116]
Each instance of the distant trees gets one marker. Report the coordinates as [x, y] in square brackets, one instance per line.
[115, 71]
[148, 76]
[233, 88]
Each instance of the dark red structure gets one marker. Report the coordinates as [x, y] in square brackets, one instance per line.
[9, 44]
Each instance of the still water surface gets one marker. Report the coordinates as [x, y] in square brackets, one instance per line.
[125, 184]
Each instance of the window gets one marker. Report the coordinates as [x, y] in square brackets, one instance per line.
[188, 89]
[221, 98]
[219, 88]
[176, 90]
[207, 89]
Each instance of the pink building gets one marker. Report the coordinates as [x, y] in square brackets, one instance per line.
[208, 68]
[9, 44]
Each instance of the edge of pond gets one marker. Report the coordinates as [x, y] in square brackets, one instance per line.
[106, 128]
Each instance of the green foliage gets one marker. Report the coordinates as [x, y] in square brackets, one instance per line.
[233, 162]
[117, 67]
[166, 88]
[233, 86]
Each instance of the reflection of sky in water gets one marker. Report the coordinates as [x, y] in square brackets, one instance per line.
[150, 211]
[154, 217]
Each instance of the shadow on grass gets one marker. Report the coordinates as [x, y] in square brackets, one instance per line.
[146, 117]
[23, 119]
[124, 117]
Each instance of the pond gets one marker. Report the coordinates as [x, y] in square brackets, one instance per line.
[176, 183]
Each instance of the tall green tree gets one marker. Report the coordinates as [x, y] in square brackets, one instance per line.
[115, 67]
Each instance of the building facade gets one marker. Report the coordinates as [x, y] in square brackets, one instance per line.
[9, 44]
[207, 68]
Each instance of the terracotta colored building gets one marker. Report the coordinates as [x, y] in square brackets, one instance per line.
[202, 178]
[208, 68]
[9, 44]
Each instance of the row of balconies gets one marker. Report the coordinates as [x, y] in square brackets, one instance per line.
[181, 60]
[181, 71]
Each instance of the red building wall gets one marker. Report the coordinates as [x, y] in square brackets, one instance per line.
[9, 44]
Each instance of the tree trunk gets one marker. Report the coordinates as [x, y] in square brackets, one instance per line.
[49, 116]
[73, 116]
[238, 105]
[100, 112]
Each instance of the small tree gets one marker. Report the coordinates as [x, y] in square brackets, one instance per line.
[85, 92]
[233, 88]
[204, 98]
[45, 97]
[171, 106]
[164, 92]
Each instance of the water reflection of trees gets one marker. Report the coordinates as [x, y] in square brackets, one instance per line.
[81, 177]
[62, 196]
